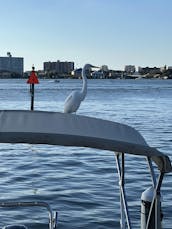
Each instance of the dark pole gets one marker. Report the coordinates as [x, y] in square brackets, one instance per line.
[32, 80]
[32, 97]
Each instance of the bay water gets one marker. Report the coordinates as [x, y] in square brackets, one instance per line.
[82, 183]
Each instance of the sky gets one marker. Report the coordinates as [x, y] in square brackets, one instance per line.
[101, 32]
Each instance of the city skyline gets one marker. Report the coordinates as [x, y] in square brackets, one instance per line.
[113, 33]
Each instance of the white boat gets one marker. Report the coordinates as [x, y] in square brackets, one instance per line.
[21, 126]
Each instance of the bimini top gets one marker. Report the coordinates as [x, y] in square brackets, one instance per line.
[40, 127]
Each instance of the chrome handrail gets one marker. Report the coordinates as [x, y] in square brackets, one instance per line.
[52, 215]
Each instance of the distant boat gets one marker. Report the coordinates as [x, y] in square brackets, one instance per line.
[56, 81]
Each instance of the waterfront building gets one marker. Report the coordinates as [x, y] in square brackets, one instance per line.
[163, 69]
[77, 73]
[11, 65]
[59, 67]
[169, 67]
[97, 75]
[148, 70]
[130, 69]
[104, 68]
[116, 74]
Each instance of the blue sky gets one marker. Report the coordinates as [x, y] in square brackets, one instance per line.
[111, 32]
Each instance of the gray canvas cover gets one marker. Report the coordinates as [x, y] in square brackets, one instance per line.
[54, 128]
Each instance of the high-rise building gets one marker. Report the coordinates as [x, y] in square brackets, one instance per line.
[11, 64]
[59, 67]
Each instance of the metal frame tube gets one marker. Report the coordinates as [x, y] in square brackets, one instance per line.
[151, 169]
[156, 203]
[123, 202]
[52, 220]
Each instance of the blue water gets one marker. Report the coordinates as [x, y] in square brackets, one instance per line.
[82, 183]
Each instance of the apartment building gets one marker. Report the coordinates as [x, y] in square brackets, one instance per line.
[59, 67]
[13, 65]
